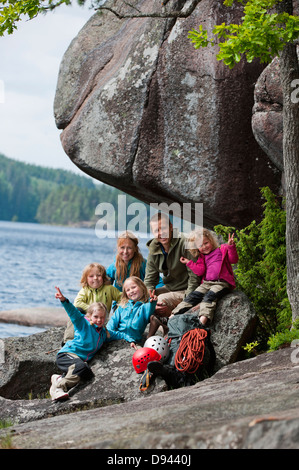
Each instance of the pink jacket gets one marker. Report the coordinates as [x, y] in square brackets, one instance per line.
[229, 257]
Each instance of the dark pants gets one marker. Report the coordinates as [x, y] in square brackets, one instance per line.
[73, 368]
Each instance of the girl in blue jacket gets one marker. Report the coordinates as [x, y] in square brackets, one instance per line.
[137, 305]
[73, 357]
[128, 261]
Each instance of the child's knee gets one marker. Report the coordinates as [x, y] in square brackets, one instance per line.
[210, 297]
[194, 297]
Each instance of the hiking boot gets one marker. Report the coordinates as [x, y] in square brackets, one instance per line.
[172, 377]
[156, 368]
[56, 392]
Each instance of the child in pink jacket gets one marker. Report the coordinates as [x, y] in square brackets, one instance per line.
[214, 267]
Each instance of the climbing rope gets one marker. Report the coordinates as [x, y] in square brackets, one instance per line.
[190, 353]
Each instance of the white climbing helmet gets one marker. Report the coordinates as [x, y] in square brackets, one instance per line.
[159, 344]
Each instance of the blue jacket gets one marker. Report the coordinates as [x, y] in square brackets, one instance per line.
[131, 320]
[87, 339]
[111, 272]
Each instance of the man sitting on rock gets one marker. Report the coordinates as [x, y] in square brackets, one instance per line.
[165, 251]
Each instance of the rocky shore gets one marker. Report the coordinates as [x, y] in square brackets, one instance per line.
[244, 404]
[252, 404]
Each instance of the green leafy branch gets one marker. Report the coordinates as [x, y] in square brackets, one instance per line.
[261, 270]
[13, 11]
[260, 34]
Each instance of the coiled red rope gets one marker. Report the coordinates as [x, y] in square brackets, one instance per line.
[191, 351]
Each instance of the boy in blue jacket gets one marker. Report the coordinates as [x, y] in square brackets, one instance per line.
[73, 358]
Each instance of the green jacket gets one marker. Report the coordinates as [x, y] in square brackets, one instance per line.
[106, 294]
[177, 276]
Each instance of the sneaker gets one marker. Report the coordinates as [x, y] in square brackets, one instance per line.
[57, 393]
[60, 395]
[53, 387]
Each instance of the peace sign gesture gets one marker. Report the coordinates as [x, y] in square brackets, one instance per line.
[231, 240]
[152, 295]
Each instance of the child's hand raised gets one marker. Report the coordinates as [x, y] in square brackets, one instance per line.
[231, 240]
[184, 260]
[153, 297]
[59, 295]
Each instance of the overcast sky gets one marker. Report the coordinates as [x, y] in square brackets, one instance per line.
[30, 60]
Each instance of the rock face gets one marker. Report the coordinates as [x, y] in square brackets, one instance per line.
[252, 404]
[30, 362]
[267, 119]
[249, 404]
[39, 316]
[144, 111]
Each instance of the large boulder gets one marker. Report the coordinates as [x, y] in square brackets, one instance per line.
[29, 363]
[232, 327]
[142, 110]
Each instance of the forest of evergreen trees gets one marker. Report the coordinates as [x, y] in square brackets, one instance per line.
[32, 193]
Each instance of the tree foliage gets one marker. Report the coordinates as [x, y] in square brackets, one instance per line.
[261, 270]
[259, 35]
[31, 193]
[13, 11]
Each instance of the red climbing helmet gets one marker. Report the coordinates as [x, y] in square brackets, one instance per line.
[142, 357]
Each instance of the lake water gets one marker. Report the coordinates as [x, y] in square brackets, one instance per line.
[35, 258]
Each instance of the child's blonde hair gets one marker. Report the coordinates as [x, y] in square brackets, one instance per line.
[136, 262]
[197, 235]
[144, 296]
[88, 268]
[95, 307]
